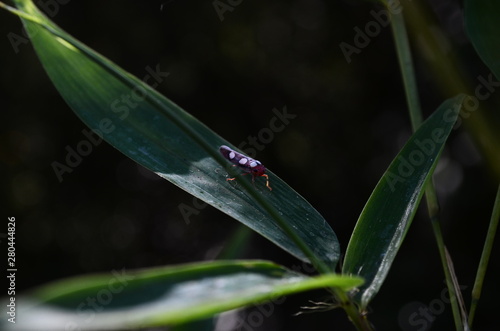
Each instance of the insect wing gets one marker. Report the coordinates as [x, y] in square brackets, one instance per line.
[229, 154]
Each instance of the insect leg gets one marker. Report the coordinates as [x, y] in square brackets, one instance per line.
[267, 182]
[243, 174]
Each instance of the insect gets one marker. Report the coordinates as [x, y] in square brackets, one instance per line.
[245, 163]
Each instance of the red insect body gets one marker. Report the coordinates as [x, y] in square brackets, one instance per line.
[245, 163]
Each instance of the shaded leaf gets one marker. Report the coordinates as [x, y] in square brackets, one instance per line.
[162, 296]
[483, 28]
[387, 215]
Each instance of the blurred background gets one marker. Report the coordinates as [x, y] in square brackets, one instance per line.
[230, 65]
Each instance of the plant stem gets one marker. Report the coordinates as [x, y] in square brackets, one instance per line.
[19, 13]
[357, 318]
[485, 256]
[406, 65]
[431, 200]
[234, 247]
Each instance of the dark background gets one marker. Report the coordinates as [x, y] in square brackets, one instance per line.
[352, 119]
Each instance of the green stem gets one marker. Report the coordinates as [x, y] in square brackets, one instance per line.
[236, 244]
[19, 13]
[485, 257]
[431, 200]
[406, 66]
[357, 318]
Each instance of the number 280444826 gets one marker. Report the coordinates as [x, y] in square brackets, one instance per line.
[245, 163]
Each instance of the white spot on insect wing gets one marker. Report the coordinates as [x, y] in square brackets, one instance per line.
[254, 164]
[232, 155]
[243, 161]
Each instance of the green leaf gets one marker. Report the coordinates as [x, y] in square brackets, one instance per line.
[158, 134]
[162, 296]
[483, 27]
[387, 215]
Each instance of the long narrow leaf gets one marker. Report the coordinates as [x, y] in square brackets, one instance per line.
[125, 299]
[158, 134]
[387, 215]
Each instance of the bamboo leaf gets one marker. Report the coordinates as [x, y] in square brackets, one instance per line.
[161, 296]
[158, 134]
[387, 215]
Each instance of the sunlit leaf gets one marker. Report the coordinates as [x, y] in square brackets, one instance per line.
[158, 134]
